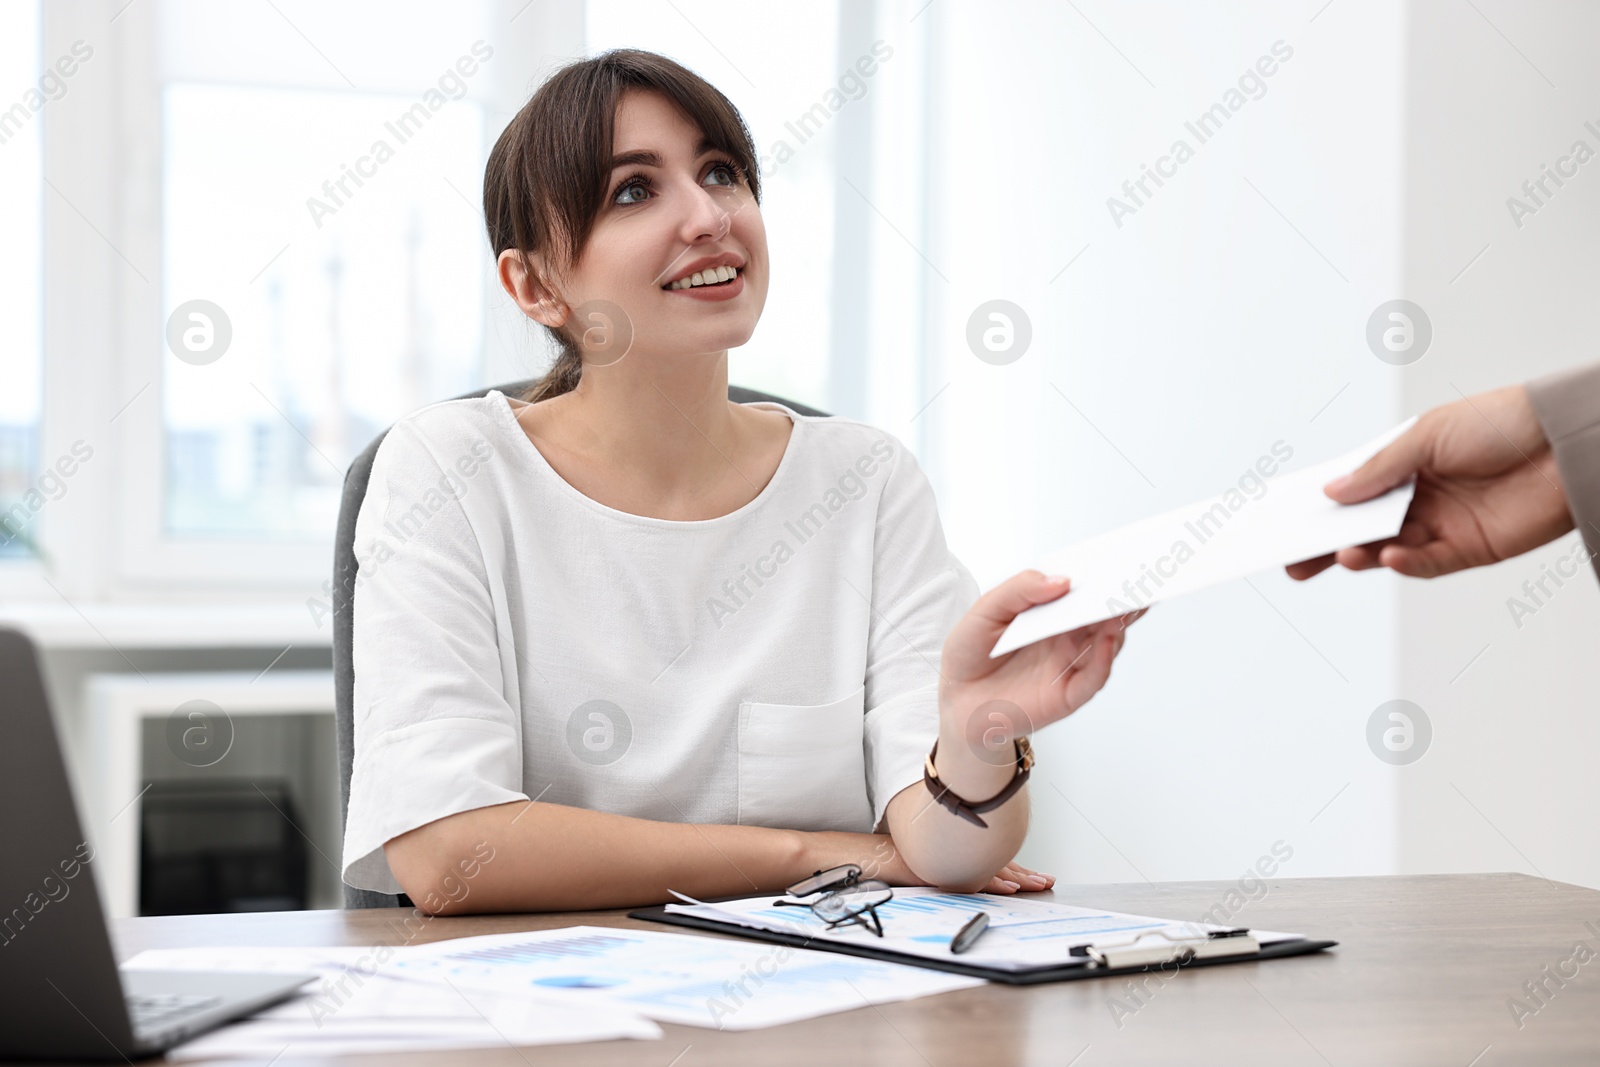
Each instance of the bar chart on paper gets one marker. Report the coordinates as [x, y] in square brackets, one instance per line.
[698, 981]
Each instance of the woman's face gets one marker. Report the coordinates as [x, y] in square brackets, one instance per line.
[674, 209]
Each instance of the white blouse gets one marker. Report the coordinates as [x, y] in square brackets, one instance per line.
[516, 640]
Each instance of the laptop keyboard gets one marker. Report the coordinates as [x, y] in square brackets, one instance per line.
[154, 1011]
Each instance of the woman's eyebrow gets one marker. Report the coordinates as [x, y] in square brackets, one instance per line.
[639, 157]
[645, 157]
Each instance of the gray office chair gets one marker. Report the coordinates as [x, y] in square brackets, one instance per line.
[344, 584]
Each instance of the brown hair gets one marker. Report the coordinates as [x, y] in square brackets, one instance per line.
[545, 183]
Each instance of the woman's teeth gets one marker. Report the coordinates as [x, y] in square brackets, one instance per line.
[714, 276]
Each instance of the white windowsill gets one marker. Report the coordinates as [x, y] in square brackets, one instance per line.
[145, 626]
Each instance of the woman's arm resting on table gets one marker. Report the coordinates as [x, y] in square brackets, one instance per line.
[549, 857]
[526, 856]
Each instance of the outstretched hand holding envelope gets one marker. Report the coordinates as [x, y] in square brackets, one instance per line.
[1211, 541]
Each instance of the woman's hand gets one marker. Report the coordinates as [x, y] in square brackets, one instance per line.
[983, 704]
[1039, 683]
[1015, 878]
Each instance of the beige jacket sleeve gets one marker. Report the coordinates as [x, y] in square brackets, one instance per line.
[1568, 407]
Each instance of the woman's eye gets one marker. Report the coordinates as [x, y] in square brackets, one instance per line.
[721, 174]
[635, 192]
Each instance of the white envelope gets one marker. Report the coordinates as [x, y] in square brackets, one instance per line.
[1215, 540]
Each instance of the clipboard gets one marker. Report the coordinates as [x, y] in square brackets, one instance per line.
[1102, 964]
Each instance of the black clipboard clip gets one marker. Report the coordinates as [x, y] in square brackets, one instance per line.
[1177, 949]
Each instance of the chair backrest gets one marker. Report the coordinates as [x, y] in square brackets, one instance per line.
[344, 585]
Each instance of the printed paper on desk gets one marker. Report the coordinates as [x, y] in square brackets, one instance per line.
[1023, 934]
[1225, 537]
[354, 1009]
[716, 982]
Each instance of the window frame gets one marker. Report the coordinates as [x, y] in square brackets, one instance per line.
[12, 558]
[102, 374]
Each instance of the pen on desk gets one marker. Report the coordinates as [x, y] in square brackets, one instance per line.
[969, 933]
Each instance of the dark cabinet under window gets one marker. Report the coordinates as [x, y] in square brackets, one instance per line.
[220, 846]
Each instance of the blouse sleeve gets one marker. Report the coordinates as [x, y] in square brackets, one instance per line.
[919, 591]
[1568, 408]
[435, 730]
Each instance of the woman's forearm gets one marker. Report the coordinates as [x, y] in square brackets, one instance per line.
[549, 857]
[941, 847]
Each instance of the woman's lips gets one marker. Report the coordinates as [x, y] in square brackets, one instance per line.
[712, 293]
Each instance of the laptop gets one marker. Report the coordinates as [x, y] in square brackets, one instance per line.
[62, 995]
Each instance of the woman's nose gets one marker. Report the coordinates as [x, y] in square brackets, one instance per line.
[707, 218]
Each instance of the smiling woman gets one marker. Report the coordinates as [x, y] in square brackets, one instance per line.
[741, 749]
[554, 177]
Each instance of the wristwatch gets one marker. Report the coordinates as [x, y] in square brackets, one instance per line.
[966, 809]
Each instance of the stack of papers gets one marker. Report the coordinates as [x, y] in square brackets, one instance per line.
[1215, 540]
[354, 1008]
[706, 981]
[582, 983]
[1023, 934]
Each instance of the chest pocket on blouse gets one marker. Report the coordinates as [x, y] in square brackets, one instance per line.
[803, 766]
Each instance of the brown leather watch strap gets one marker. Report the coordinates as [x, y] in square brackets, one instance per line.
[966, 809]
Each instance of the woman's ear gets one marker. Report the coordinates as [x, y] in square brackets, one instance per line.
[523, 278]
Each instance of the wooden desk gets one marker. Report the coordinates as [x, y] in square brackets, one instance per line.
[1423, 974]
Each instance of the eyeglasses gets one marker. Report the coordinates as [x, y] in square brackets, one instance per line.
[845, 897]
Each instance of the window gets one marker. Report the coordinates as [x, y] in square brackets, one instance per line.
[326, 235]
[277, 290]
[22, 96]
[310, 222]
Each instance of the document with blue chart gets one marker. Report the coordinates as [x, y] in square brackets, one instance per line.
[716, 982]
[1023, 933]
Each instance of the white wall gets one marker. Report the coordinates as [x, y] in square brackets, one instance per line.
[1509, 782]
[1188, 341]
[1228, 312]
